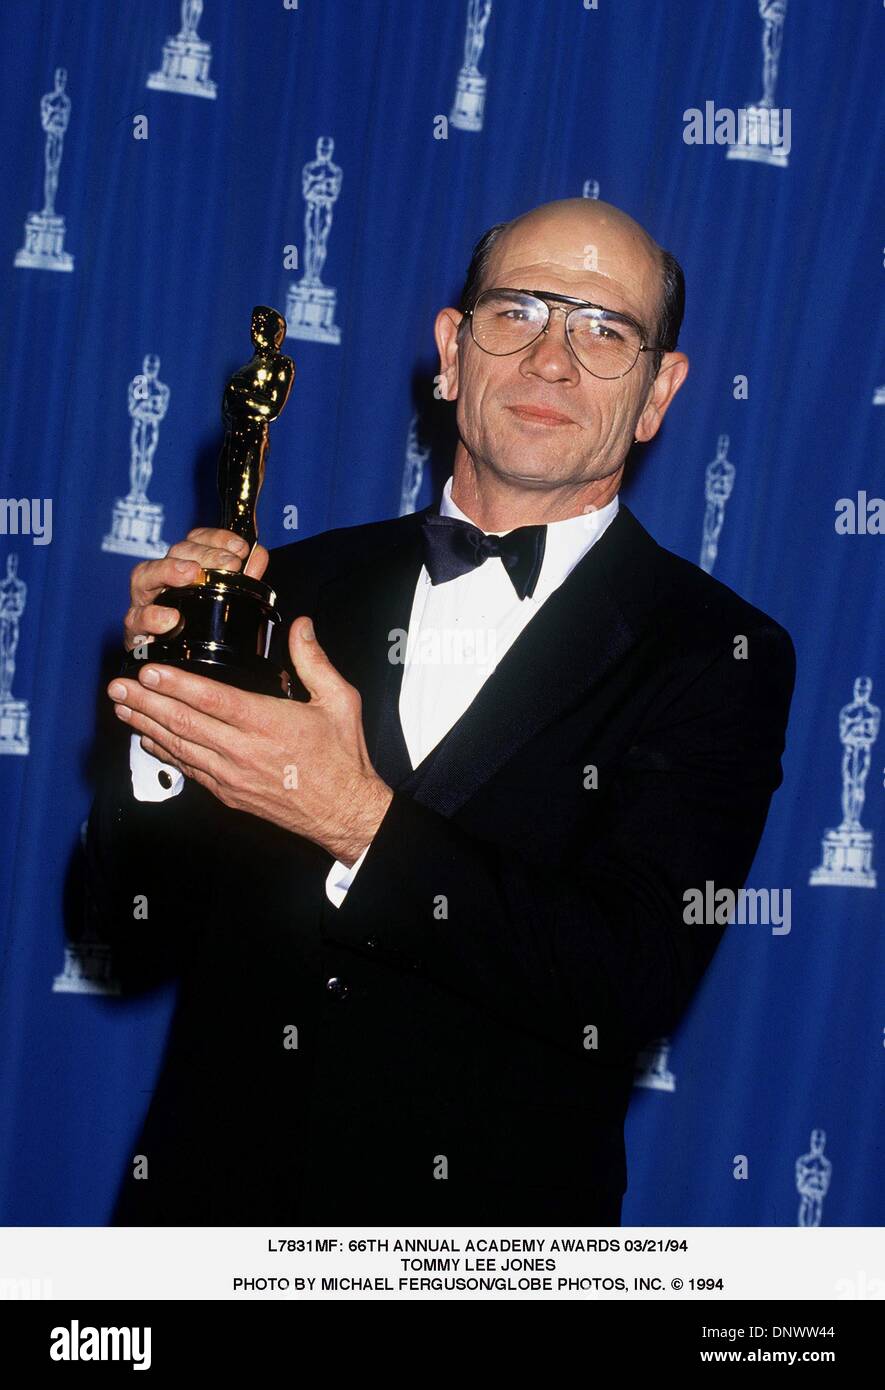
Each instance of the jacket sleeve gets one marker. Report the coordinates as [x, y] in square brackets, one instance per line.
[603, 941]
[150, 881]
[170, 858]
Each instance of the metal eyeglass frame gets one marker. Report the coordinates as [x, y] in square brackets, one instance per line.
[544, 296]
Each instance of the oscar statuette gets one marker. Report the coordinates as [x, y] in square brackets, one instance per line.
[227, 619]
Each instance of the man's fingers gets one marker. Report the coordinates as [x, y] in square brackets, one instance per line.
[211, 703]
[206, 547]
[151, 620]
[180, 566]
[257, 562]
[208, 556]
[190, 733]
[219, 539]
[151, 576]
[177, 749]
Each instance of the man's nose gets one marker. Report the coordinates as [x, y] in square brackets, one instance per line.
[550, 354]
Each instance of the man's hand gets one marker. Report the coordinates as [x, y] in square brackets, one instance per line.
[206, 547]
[303, 766]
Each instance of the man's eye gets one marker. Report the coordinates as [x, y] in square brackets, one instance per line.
[604, 332]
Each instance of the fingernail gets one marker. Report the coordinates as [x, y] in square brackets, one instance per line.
[183, 565]
[149, 676]
[122, 711]
[117, 691]
[307, 631]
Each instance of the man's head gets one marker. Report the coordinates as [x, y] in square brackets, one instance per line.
[552, 248]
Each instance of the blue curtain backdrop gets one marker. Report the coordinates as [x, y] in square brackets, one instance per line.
[179, 223]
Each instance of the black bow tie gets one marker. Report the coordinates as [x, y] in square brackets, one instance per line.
[452, 547]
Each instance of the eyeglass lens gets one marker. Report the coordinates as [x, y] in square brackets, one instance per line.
[505, 321]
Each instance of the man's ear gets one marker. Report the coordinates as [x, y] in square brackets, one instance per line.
[673, 371]
[445, 331]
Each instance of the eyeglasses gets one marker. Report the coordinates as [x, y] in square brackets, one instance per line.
[607, 344]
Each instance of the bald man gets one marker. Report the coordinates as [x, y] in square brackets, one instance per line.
[425, 916]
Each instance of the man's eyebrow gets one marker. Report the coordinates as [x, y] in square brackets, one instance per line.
[629, 315]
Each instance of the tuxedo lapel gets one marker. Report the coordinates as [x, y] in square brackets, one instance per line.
[586, 626]
[362, 617]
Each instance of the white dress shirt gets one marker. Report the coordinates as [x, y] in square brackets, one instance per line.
[458, 632]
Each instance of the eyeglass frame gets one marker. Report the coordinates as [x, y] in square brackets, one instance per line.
[544, 296]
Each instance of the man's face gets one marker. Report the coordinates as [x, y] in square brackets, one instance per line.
[550, 251]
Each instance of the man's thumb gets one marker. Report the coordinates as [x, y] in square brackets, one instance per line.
[312, 667]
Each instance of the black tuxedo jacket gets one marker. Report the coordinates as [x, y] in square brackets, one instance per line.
[456, 1043]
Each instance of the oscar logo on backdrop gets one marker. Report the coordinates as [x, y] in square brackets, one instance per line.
[470, 94]
[45, 231]
[761, 129]
[417, 458]
[718, 485]
[310, 305]
[813, 1174]
[137, 524]
[186, 58]
[847, 859]
[13, 713]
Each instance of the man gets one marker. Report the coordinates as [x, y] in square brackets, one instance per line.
[425, 918]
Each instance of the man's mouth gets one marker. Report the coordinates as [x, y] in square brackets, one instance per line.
[540, 415]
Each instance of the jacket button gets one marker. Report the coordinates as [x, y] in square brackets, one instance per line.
[337, 987]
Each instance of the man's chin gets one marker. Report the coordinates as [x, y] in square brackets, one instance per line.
[538, 467]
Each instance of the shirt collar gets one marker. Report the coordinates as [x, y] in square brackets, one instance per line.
[567, 541]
